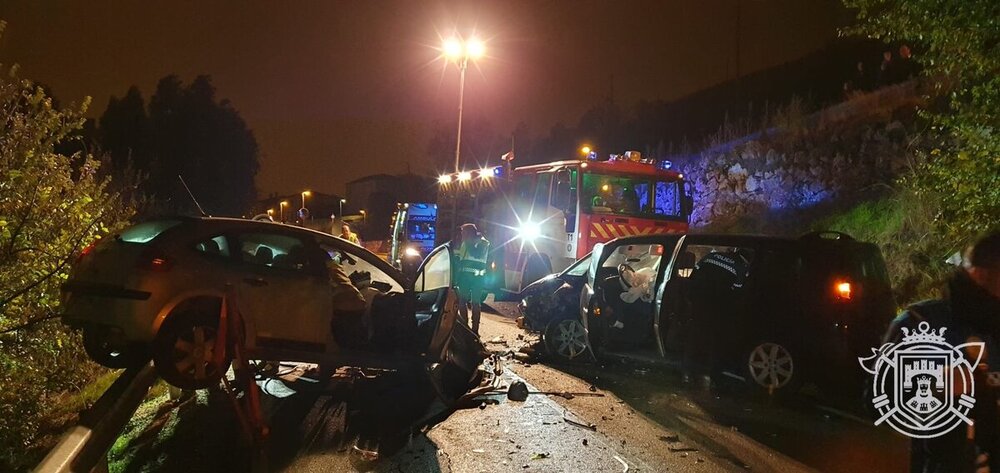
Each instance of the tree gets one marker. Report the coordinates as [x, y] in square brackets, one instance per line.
[51, 206]
[958, 49]
[188, 132]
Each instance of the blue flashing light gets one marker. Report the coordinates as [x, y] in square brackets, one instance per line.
[498, 171]
[592, 156]
[664, 164]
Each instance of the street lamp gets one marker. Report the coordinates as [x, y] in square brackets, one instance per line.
[270, 212]
[281, 208]
[304, 195]
[460, 51]
[585, 150]
[342, 202]
[364, 216]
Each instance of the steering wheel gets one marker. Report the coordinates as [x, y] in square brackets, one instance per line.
[622, 270]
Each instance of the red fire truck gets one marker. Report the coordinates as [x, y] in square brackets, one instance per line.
[540, 218]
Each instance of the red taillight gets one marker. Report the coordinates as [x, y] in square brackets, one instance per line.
[86, 251]
[154, 260]
[842, 289]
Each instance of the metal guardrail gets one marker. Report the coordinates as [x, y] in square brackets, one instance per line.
[86, 444]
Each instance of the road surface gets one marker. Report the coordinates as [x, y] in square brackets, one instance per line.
[624, 416]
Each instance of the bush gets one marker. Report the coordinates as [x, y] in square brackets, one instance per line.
[51, 206]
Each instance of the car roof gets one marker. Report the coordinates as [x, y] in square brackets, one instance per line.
[738, 239]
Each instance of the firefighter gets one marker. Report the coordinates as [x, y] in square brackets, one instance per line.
[971, 312]
[471, 275]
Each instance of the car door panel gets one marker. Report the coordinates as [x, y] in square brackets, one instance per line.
[288, 301]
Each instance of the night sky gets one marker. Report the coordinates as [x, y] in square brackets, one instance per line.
[338, 90]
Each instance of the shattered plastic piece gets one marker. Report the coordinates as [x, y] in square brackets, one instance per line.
[540, 456]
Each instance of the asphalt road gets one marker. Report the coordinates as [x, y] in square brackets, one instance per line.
[623, 415]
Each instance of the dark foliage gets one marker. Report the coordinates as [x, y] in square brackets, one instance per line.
[187, 131]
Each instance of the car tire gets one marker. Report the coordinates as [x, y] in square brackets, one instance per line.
[537, 267]
[566, 339]
[100, 350]
[182, 351]
[772, 368]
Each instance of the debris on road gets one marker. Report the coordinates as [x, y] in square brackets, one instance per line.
[625, 465]
[670, 438]
[585, 425]
[540, 456]
[518, 391]
[682, 449]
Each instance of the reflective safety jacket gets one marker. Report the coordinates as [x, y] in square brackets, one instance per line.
[472, 256]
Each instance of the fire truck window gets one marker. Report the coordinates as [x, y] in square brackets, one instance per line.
[668, 199]
[615, 194]
[525, 186]
[564, 196]
[542, 190]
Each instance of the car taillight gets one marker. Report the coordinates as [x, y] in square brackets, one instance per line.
[154, 260]
[843, 290]
[86, 251]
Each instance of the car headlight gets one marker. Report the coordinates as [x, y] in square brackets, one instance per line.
[529, 231]
[411, 252]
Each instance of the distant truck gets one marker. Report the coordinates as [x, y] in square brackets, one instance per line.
[414, 231]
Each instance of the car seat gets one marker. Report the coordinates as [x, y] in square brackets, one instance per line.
[264, 255]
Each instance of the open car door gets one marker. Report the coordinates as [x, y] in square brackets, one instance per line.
[453, 351]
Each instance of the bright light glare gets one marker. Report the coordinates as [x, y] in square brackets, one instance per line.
[585, 150]
[529, 231]
[411, 252]
[444, 179]
[464, 176]
[485, 173]
[475, 48]
[452, 48]
[843, 290]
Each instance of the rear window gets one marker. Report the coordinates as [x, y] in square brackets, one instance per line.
[860, 263]
[146, 232]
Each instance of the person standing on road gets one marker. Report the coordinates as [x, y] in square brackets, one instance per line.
[347, 234]
[971, 312]
[716, 295]
[471, 275]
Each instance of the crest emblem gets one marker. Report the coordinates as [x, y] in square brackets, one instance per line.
[923, 385]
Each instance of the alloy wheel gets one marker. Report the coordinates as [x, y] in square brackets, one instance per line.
[771, 366]
[569, 339]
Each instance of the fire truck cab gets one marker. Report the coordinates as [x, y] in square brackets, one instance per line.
[540, 218]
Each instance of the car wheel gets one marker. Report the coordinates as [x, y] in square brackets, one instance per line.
[566, 338]
[183, 351]
[100, 349]
[771, 368]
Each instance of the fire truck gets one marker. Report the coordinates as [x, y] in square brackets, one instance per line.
[540, 218]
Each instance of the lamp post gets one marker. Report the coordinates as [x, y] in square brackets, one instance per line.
[364, 216]
[460, 51]
[281, 206]
[342, 202]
